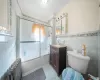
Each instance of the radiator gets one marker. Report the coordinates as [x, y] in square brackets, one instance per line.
[14, 72]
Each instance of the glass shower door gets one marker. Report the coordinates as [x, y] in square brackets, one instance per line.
[45, 40]
[35, 40]
[29, 41]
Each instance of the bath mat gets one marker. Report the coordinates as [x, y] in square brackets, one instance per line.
[37, 75]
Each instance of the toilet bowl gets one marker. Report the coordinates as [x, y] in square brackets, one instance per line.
[78, 62]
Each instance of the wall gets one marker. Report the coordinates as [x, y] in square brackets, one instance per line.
[82, 15]
[7, 55]
[8, 49]
[91, 42]
[99, 53]
[3, 13]
[99, 43]
[16, 7]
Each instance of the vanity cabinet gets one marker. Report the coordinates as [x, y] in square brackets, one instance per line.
[58, 58]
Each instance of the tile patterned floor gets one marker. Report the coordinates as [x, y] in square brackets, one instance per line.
[50, 73]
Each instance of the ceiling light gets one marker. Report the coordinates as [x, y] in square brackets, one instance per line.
[44, 1]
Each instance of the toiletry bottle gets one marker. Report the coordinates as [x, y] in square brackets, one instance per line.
[83, 50]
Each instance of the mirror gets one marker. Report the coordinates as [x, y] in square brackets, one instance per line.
[5, 16]
[62, 24]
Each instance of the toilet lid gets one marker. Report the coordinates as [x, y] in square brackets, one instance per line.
[78, 55]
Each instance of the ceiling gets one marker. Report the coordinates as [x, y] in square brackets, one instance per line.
[38, 10]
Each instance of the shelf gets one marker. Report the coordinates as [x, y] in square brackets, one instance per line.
[9, 35]
[5, 37]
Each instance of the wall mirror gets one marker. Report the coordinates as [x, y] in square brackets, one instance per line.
[5, 16]
[62, 24]
[5, 19]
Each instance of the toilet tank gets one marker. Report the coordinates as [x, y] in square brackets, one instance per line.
[78, 62]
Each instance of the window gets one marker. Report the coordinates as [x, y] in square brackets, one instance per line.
[38, 32]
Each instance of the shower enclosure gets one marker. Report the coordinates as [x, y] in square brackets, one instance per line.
[34, 40]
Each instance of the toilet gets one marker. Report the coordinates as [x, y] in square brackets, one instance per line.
[78, 62]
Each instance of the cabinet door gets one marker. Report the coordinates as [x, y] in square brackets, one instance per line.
[51, 56]
[56, 59]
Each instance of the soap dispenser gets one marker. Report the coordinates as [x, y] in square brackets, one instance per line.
[83, 50]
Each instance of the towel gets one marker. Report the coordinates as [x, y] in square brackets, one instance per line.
[71, 74]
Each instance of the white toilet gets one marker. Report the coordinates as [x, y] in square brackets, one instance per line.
[78, 62]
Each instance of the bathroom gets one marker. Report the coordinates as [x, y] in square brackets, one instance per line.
[72, 23]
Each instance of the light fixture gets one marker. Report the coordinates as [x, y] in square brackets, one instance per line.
[44, 1]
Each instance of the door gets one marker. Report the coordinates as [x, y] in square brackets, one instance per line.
[45, 40]
[29, 40]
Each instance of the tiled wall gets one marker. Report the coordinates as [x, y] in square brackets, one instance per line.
[8, 49]
[91, 42]
[7, 55]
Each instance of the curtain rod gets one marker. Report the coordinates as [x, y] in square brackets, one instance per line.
[33, 18]
[35, 22]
